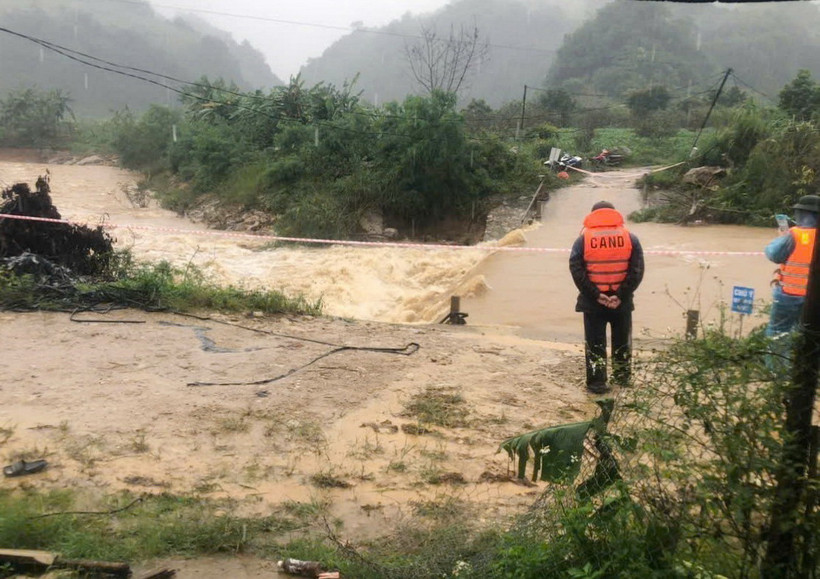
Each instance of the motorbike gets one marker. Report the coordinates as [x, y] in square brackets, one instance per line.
[607, 158]
[565, 162]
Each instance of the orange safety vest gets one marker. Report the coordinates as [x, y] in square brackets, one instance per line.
[607, 249]
[794, 274]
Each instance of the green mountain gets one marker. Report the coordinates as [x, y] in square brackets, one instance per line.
[630, 45]
[124, 33]
[523, 37]
[599, 47]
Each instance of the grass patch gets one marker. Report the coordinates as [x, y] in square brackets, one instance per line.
[306, 512]
[397, 466]
[300, 431]
[159, 286]
[157, 526]
[445, 509]
[440, 406]
[139, 444]
[231, 424]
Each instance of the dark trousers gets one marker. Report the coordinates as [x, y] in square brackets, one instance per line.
[620, 322]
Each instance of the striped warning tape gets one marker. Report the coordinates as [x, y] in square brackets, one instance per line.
[266, 237]
[620, 175]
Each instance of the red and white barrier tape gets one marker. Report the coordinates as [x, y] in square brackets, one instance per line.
[622, 175]
[265, 237]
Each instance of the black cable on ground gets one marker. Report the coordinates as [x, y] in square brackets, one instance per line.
[407, 350]
[101, 310]
[111, 512]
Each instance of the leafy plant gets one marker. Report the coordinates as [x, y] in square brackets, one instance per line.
[688, 460]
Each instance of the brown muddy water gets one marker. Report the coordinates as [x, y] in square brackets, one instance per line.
[503, 288]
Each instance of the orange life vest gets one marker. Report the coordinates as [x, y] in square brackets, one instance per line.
[607, 249]
[794, 274]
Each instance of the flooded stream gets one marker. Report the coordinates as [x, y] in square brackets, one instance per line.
[527, 291]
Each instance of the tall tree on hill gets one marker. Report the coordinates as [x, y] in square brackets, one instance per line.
[801, 97]
[441, 63]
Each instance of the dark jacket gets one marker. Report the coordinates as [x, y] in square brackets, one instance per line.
[589, 292]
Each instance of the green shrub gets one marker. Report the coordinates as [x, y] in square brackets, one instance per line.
[34, 118]
[144, 144]
[152, 287]
[319, 216]
[696, 444]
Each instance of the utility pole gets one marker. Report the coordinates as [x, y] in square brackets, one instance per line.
[714, 102]
[781, 560]
[523, 108]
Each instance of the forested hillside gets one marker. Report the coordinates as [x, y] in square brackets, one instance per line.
[130, 34]
[634, 45]
[523, 38]
[594, 47]
[589, 47]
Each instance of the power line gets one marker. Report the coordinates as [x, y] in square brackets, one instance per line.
[67, 54]
[318, 25]
[751, 88]
[110, 66]
[113, 67]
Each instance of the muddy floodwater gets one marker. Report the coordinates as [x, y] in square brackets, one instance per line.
[523, 287]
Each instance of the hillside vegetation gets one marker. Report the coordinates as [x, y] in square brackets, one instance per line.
[593, 48]
[129, 34]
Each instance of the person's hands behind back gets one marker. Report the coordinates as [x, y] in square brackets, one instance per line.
[611, 302]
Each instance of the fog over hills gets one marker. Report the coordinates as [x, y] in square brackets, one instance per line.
[129, 34]
[523, 38]
[580, 46]
[584, 46]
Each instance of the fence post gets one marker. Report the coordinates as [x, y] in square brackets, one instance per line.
[692, 319]
[455, 316]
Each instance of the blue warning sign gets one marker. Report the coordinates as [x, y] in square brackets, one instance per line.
[743, 299]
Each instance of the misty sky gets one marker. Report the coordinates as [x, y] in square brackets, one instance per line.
[312, 25]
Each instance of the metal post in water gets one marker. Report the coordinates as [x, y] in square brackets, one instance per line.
[455, 316]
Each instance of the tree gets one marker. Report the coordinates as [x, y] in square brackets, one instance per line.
[733, 97]
[33, 117]
[641, 102]
[478, 115]
[801, 97]
[443, 64]
[560, 102]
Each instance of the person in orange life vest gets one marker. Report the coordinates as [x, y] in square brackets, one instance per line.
[793, 252]
[607, 266]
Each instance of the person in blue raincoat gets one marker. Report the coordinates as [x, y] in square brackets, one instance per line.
[792, 251]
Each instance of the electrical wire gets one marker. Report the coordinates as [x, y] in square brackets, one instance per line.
[319, 25]
[69, 55]
[110, 66]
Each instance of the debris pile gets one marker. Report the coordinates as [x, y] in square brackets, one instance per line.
[78, 248]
